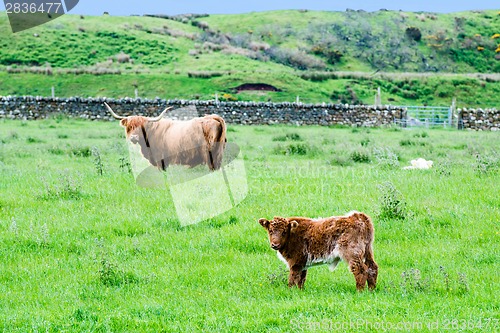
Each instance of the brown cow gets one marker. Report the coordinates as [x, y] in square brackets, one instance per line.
[165, 141]
[303, 242]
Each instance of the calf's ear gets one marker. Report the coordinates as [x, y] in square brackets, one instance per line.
[293, 224]
[124, 122]
[264, 223]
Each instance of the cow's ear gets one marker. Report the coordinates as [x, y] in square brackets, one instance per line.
[264, 223]
[124, 122]
[293, 224]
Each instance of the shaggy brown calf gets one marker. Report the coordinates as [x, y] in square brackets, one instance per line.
[303, 242]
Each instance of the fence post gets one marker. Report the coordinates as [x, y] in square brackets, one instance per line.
[53, 92]
[378, 98]
[136, 91]
[451, 112]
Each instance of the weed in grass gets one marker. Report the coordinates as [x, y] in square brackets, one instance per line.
[288, 137]
[340, 160]
[412, 281]
[365, 142]
[279, 277]
[81, 151]
[406, 142]
[463, 284]
[391, 202]
[300, 149]
[111, 276]
[487, 163]
[395, 128]
[423, 134]
[99, 167]
[31, 139]
[68, 188]
[443, 168]
[13, 135]
[13, 227]
[446, 278]
[385, 157]
[360, 156]
[62, 136]
[56, 151]
[125, 165]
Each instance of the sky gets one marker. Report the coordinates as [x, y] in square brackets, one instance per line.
[170, 7]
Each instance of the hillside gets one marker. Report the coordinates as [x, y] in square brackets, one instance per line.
[319, 56]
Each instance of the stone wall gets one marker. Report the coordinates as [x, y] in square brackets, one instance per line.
[479, 119]
[247, 113]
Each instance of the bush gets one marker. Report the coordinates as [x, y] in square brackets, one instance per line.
[413, 33]
[288, 137]
[294, 58]
[392, 204]
[385, 157]
[299, 149]
[360, 157]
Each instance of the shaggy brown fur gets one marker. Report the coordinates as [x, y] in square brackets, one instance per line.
[303, 242]
[191, 143]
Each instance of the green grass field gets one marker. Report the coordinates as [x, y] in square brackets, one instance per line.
[83, 251]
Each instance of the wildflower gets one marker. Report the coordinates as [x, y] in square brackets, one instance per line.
[498, 49]
[480, 48]
[495, 36]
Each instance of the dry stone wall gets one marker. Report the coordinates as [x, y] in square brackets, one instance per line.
[479, 119]
[247, 113]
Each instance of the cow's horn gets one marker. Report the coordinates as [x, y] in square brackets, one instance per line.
[161, 115]
[112, 113]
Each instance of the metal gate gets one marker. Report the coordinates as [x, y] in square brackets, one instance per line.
[427, 116]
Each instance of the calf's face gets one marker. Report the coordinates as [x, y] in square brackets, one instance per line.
[279, 230]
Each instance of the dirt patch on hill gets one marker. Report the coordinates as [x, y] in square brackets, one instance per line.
[256, 86]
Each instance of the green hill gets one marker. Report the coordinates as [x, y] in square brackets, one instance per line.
[319, 56]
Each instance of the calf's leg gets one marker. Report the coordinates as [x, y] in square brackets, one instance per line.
[360, 272]
[296, 276]
[372, 272]
[302, 279]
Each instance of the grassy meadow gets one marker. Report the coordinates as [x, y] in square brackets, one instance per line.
[84, 249]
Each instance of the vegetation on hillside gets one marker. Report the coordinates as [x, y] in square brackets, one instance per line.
[268, 47]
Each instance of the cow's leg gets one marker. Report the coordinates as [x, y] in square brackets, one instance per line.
[360, 272]
[302, 280]
[295, 276]
[372, 271]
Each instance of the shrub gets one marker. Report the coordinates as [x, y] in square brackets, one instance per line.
[360, 157]
[365, 142]
[111, 276]
[299, 149]
[67, 188]
[487, 163]
[81, 151]
[392, 204]
[288, 137]
[31, 139]
[413, 33]
[294, 58]
[385, 157]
